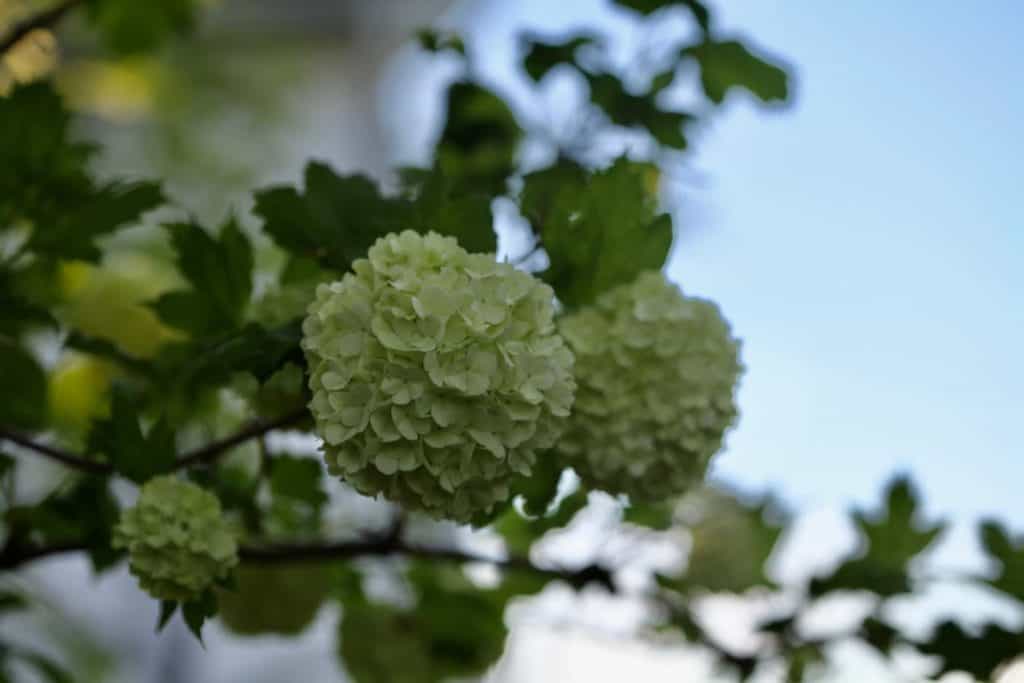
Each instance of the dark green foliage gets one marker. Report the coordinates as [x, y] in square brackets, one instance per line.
[522, 532]
[297, 493]
[891, 538]
[729, 64]
[44, 183]
[599, 230]
[539, 489]
[220, 273]
[638, 111]
[134, 455]
[196, 612]
[253, 349]
[437, 203]
[433, 40]
[1008, 552]
[22, 389]
[977, 654]
[128, 26]
[646, 7]
[656, 516]
[478, 145]
[335, 221]
[83, 513]
[542, 56]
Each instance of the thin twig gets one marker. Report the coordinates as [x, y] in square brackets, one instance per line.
[203, 455]
[213, 450]
[54, 453]
[46, 19]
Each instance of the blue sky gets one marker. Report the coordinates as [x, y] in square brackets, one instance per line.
[866, 242]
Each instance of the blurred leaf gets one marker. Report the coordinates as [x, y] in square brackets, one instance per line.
[656, 516]
[732, 540]
[43, 180]
[599, 230]
[1009, 553]
[129, 26]
[335, 221]
[646, 7]
[297, 494]
[22, 389]
[978, 655]
[626, 109]
[879, 635]
[800, 659]
[253, 349]
[134, 455]
[17, 312]
[220, 272]
[729, 64]
[197, 611]
[892, 537]
[71, 233]
[275, 599]
[454, 630]
[11, 601]
[433, 40]
[542, 56]
[47, 669]
[521, 532]
[83, 513]
[477, 147]
[539, 489]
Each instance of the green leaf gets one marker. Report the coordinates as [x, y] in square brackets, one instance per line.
[220, 272]
[71, 234]
[646, 7]
[979, 655]
[44, 183]
[626, 109]
[335, 221]
[891, 538]
[879, 635]
[129, 27]
[253, 349]
[438, 204]
[657, 516]
[455, 630]
[1009, 553]
[17, 311]
[167, 610]
[23, 388]
[11, 601]
[136, 456]
[297, 493]
[478, 144]
[542, 56]
[521, 532]
[599, 230]
[540, 488]
[434, 41]
[196, 612]
[732, 538]
[725, 65]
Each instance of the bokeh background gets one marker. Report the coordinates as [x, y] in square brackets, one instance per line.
[865, 241]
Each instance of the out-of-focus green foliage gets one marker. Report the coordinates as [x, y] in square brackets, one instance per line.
[127, 358]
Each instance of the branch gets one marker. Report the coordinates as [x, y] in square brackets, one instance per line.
[54, 453]
[213, 450]
[46, 19]
[385, 546]
[200, 456]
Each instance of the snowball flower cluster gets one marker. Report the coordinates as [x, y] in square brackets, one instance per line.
[656, 373]
[178, 541]
[437, 375]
